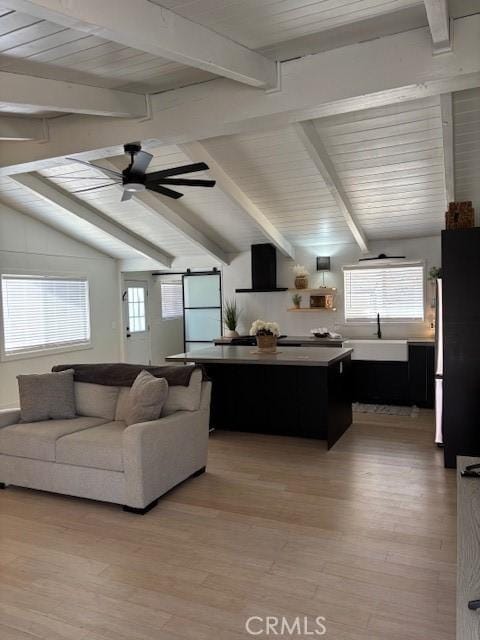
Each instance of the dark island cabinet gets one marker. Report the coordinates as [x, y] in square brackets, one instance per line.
[421, 375]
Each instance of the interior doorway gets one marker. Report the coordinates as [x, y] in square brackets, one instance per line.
[136, 322]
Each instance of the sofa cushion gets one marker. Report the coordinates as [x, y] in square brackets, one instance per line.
[96, 400]
[46, 395]
[100, 447]
[146, 398]
[184, 398]
[122, 403]
[37, 439]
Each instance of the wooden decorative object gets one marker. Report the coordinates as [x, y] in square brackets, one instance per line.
[321, 302]
[460, 215]
[301, 282]
[267, 344]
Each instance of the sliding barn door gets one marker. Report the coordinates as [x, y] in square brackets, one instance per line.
[202, 304]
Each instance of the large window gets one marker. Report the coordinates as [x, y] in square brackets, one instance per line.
[43, 312]
[394, 291]
[172, 298]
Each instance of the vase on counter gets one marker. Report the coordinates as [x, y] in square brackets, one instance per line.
[231, 333]
[267, 344]
[301, 282]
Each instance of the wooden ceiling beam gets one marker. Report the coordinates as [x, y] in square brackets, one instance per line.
[53, 194]
[56, 95]
[439, 22]
[315, 148]
[388, 70]
[148, 27]
[197, 152]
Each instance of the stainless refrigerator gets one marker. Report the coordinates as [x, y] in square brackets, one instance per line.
[438, 363]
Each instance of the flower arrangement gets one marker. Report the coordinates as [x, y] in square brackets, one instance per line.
[301, 276]
[262, 328]
[300, 270]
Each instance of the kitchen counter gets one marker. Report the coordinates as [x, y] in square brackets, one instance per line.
[289, 341]
[300, 392]
[299, 357]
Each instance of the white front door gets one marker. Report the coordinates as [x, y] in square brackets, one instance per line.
[136, 323]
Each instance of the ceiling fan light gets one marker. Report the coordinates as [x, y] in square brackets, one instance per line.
[134, 187]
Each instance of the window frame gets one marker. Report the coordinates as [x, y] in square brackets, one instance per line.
[41, 352]
[386, 265]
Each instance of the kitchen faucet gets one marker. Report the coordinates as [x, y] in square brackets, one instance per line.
[379, 328]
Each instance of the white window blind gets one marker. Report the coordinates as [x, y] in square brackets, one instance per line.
[41, 312]
[394, 291]
[172, 298]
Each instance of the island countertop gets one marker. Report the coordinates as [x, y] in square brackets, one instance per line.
[300, 356]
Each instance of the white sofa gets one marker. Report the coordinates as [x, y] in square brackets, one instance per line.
[99, 457]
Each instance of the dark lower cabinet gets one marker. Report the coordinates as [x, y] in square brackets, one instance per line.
[376, 382]
[421, 375]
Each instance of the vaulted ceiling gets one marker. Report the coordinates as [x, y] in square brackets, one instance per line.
[333, 154]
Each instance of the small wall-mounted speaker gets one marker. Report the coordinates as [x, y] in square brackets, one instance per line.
[323, 263]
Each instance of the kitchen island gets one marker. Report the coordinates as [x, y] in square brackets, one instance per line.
[302, 392]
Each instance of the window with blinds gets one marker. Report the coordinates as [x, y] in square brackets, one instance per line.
[394, 291]
[42, 312]
[172, 298]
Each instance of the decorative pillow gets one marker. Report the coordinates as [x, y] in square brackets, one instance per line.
[95, 400]
[146, 398]
[46, 396]
[184, 398]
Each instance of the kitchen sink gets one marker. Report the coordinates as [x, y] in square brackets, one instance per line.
[375, 349]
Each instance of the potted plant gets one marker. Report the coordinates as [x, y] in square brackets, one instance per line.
[231, 315]
[266, 334]
[296, 299]
[301, 276]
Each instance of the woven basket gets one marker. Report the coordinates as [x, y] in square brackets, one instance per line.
[460, 215]
[267, 344]
[301, 282]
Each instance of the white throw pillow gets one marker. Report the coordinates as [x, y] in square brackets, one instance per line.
[95, 400]
[184, 398]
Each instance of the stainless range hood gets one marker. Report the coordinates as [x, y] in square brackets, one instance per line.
[264, 270]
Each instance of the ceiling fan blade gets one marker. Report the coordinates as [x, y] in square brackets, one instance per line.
[164, 191]
[177, 171]
[127, 195]
[187, 182]
[73, 177]
[94, 166]
[98, 186]
[141, 160]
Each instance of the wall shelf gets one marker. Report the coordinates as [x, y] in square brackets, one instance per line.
[310, 309]
[319, 290]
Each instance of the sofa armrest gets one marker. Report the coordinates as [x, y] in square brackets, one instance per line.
[9, 417]
[160, 454]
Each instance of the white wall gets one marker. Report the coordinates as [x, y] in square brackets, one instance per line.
[27, 244]
[272, 306]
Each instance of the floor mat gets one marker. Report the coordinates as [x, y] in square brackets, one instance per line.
[386, 409]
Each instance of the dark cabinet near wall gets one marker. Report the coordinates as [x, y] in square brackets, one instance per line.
[461, 343]
[421, 375]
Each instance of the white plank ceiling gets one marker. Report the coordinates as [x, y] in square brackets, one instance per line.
[258, 23]
[36, 47]
[390, 162]
[466, 114]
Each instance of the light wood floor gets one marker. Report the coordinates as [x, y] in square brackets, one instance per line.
[363, 535]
